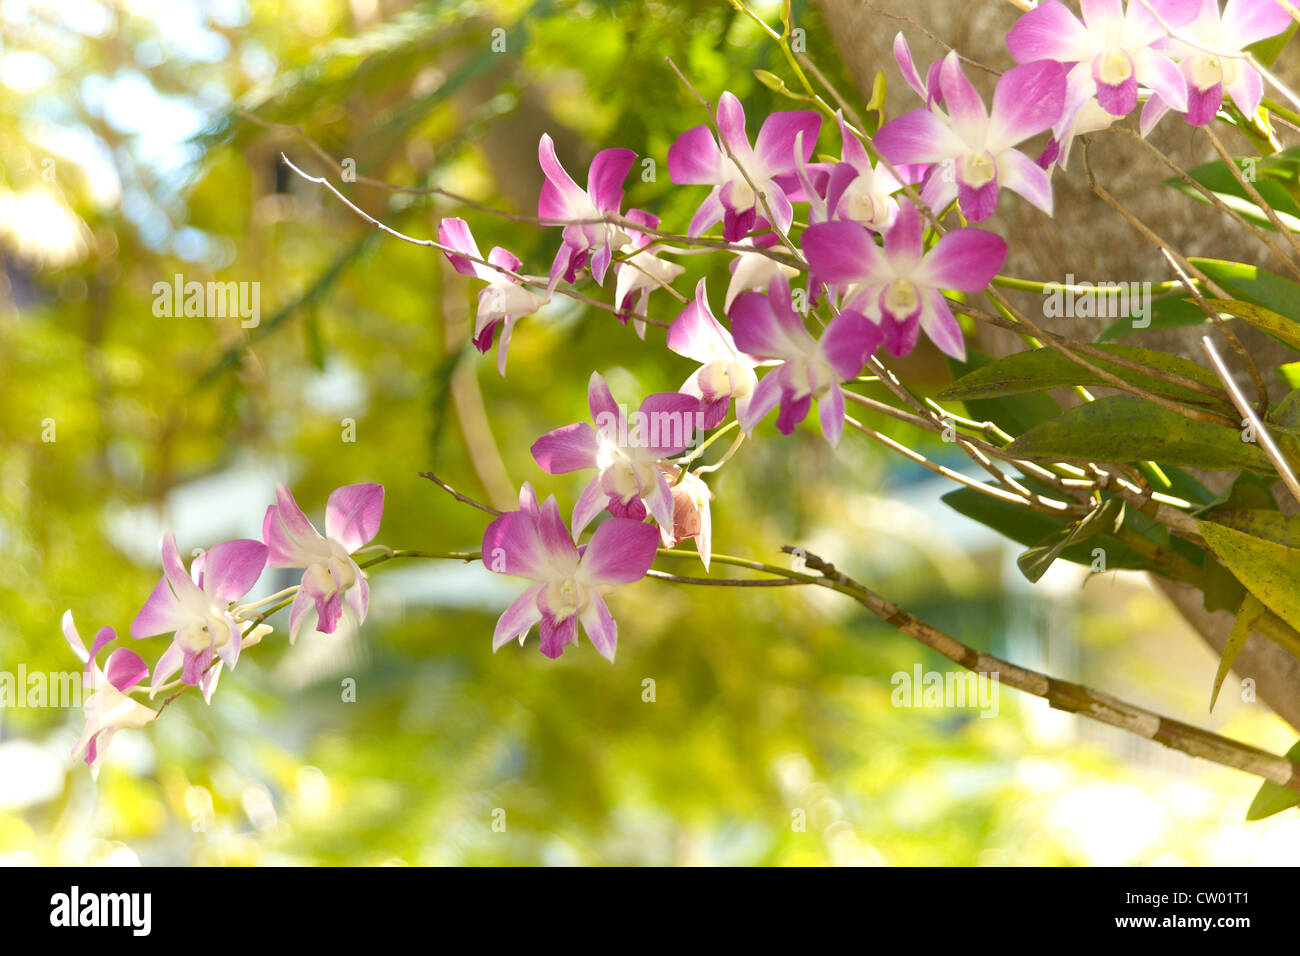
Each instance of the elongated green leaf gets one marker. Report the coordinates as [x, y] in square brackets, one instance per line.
[1012, 415]
[1125, 429]
[1280, 327]
[1250, 611]
[1167, 312]
[1271, 798]
[1269, 570]
[1046, 368]
[1105, 519]
[1266, 523]
[1270, 174]
[1267, 51]
[1253, 284]
[1289, 374]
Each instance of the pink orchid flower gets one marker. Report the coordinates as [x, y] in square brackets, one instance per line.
[641, 271]
[866, 196]
[724, 373]
[625, 450]
[195, 607]
[1109, 51]
[973, 149]
[503, 301]
[768, 327]
[563, 200]
[899, 286]
[697, 159]
[1210, 75]
[332, 576]
[567, 580]
[108, 707]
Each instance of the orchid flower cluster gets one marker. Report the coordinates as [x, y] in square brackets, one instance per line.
[810, 301]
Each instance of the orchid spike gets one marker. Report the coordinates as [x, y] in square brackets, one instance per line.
[504, 300]
[696, 158]
[899, 286]
[973, 148]
[768, 327]
[641, 271]
[332, 575]
[567, 580]
[1110, 51]
[108, 707]
[724, 373]
[1212, 75]
[625, 451]
[195, 607]
[562, 200]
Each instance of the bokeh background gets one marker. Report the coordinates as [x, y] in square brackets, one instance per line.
[139, 140]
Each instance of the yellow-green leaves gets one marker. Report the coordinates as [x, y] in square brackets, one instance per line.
[1264, 559]
[1126, 429]
[1272, 798]
[1251, 610]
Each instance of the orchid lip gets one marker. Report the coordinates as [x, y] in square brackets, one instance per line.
[1114, 67]
[977, 169]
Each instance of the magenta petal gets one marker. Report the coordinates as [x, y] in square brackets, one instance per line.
[511, 545]
[941, 326]
[969, 117]
[590, 503]
[1048, 32]
[298, 611]
[454, 233]
[965, 259]
[173, 568]
[561, 197]
[695, 159]
[600, 627]
[1117, 99]
[775, 145]
[847, 342]
[353, 514]
[763, 400]
[159, 614]
[1247, 90]
[899, 338]
[571, 448]
[1249, 21]
[1163, 76]
[830, 410]
[696, 333]
[903, 241]
[1028, 100]
[907, 66]
[554, 537]
[601, 401]
[358, 598]
[1203, 105]
[621, 550]
[232, 568]
[838, 252]
[555, 636]
[1022, 175]
[763, 328]
[519, 618]
[918, 137]
[329, 610]
[978, 203]
[286, 531]
[669, 422]
[731, 123]
[793, 411]
[605, 178]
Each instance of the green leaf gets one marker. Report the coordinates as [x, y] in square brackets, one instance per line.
[1220, 590]
[1272, 176]
[1167, 312]
[1289, 374]
[1047, 368]
[1280, 327]
[1253, 284]
[1250, 612]
[1124, 429]
[1105, 518]
[1268, 569]
[1011, 415]
[1272, 798]
[1030, 528]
